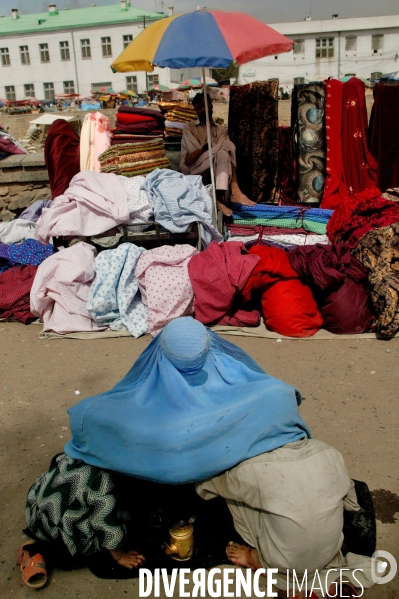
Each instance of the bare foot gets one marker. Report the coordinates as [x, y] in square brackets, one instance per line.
[223, 209]
[128, 559]
[242, 555]
[239, 198]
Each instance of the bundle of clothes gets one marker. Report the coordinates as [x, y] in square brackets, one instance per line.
[9, 145]
[130, 159]
[175, 120]
[137, 125]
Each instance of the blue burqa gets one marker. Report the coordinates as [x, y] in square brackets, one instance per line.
[192, 406]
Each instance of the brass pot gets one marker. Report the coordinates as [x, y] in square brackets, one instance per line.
[181, 541]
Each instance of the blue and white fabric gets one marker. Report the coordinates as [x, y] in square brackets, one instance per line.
[192, 406]
[179, 200]
[140, 209]
[114, 297]
[34, 211]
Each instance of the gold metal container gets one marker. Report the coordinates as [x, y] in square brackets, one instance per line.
[181, 541]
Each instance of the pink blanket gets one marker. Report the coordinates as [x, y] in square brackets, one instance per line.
[165, 285]
[92, 204]
[61, 287]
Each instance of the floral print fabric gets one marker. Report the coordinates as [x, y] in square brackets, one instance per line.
[95, 138]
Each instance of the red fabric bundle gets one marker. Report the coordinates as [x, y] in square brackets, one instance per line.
[218, 275]
[286, 167]
[62, 156]
[384, 134]
[359, 214]
[152, 126]
[334, 189]
[338, 281]
[288, 306]
[15, 286]
[128, 117]
[360, 168]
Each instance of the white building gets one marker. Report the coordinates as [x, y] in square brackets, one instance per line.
[69, 51]
[335, 47]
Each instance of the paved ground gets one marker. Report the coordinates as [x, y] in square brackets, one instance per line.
[350, 386]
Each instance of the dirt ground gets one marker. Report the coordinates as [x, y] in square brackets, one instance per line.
[18, 124]
[350, 389]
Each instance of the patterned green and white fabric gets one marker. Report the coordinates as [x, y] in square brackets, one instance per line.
[74, 504]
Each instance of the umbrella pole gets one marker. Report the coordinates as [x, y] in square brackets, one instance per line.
[209, 140]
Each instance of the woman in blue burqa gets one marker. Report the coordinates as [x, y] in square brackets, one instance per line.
[193, 408]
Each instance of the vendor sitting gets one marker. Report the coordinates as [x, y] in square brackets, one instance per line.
[195, 156]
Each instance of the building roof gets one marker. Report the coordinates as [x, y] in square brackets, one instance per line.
[94, 16]
[334, 25]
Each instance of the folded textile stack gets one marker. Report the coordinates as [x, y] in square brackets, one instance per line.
[289, 217]
[175, 120]
[132, 159]
[137, 124]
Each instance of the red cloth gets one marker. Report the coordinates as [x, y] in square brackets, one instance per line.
[360, 168]
[62, 156]
[288, 306]
[218, 275]
[155, 114]
[286, 167]
[359, 214]
[15, 286]
[140, 128]
[127, 118]
[384, 134]
[338, 282]
[334, 189]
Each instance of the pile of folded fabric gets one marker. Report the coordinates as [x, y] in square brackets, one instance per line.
[137, 124]
[130, 159]
[279, 226]
[175, 120]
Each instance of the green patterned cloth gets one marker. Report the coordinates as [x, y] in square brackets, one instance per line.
[74, 504]
[289, 223]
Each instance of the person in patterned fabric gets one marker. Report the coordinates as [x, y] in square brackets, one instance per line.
[72, 511]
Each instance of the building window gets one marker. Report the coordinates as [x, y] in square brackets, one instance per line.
[24, 53]
[106, 46]
[351, 43]
[153, 80]
[5, 57]
[69, 87]
[127, 39]
[97, 85]
[64, 49]
[86, 51]
[29, 90]
[48, 91]
[10, 92]
[131, 83]
[299, 47]
[377, 42]
[299, 80]
[324, 47]
[44, 53]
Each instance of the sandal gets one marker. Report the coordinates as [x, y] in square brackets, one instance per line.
[33, 568]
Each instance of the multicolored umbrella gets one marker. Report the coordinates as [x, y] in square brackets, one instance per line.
[203, 38]
[209, 81]
[189, 84]
[158, 88]
[103, 90]
[128, 92]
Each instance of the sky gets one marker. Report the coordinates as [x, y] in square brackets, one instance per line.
[269, 11]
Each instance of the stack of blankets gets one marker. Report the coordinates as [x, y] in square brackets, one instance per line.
[175, 120]
[137, 124]
[131, 159]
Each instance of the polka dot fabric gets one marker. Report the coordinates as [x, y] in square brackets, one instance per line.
[164, 283]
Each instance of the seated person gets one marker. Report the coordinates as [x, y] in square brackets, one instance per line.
[195, 156]
[288, 506]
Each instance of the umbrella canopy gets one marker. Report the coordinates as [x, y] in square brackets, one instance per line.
[158, 88]
[127, 92]
[209, 81]
[189, 84]
[390, 76]
[103, 90]
[203, 38]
